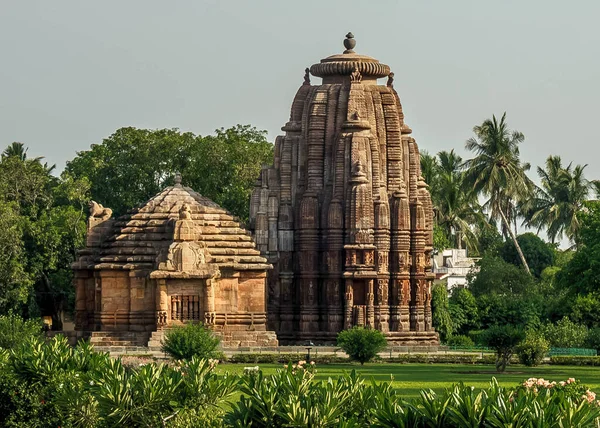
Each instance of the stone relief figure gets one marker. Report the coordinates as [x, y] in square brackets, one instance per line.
[98, 211]
[390, 81]
[185, 213]
[355, 76]
[307, 76]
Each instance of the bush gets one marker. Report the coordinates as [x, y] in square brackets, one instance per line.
[593, 339]
[503, 339]
[477, 336]
[532, 350]
[14, 330]
[575, 361]
[460, 340]
[361, 344]
[183, 343]
[440, 314]
[565, 334]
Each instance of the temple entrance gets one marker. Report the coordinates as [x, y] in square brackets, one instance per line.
[186, 300]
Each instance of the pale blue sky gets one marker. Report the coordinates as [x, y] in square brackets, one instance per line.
[74, 71]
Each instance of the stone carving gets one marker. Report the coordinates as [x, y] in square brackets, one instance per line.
[355, 76]
[98, 211]
[390, 81]
[185, 213]
[307, 76]
[353, 187]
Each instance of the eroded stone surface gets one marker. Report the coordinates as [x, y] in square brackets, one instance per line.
[343, 213]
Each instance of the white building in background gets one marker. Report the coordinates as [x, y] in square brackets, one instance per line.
[453, 265]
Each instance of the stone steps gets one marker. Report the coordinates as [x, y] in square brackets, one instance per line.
[120, 339]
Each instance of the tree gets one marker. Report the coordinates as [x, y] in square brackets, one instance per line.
[539, 255]
[557, 201]
[581, 275]
[15, 283]
[440, 313]
[42, 221]
[498, 174]
[463, 311]
[361, 344]
[132, 165]
[504, 340]
[495, 276]
[456, 206]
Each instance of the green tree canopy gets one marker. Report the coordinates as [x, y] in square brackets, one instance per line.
[538, 253]
[581, 275]
[132, 165]
[495, 276]
[42, 223]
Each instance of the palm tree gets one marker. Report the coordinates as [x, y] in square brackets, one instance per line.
[557, 201]
[19, 151]
[457, 205]
[497, 173]
[429, 165]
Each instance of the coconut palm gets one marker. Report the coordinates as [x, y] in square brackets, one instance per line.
[557, 201]
[497, 173]
[19, 151]
[457, 205]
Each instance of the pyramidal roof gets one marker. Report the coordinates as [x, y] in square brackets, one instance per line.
[138, 238]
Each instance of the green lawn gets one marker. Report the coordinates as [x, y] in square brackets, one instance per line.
[411, 378]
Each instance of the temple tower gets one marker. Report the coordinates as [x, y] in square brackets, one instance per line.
[343, 214]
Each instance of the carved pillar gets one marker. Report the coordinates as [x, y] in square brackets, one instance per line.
[209, 302]
[162, 303]
[370, 321]
[349, 304]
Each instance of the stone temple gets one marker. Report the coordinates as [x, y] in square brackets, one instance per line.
[343, 214]
[178, 258]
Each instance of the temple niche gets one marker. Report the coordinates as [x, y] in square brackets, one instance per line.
[178, 258]
[343, 214]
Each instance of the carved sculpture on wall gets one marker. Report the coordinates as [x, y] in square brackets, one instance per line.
[98, 211]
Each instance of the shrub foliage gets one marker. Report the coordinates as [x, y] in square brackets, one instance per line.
[191, 340]
[361, 344]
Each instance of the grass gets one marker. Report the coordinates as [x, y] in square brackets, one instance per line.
[412, 378]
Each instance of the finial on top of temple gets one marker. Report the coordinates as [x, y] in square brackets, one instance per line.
[349, 43]
[177, 179]
[307, 76]
[390, 81]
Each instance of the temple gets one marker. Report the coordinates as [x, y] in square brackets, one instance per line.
[343, 214]
[178, 258]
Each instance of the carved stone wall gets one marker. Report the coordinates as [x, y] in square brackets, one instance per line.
[343, 213]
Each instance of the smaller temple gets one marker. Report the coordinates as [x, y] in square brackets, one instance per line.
[178, 258]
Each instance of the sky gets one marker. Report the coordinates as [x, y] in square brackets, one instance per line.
[72, 71]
